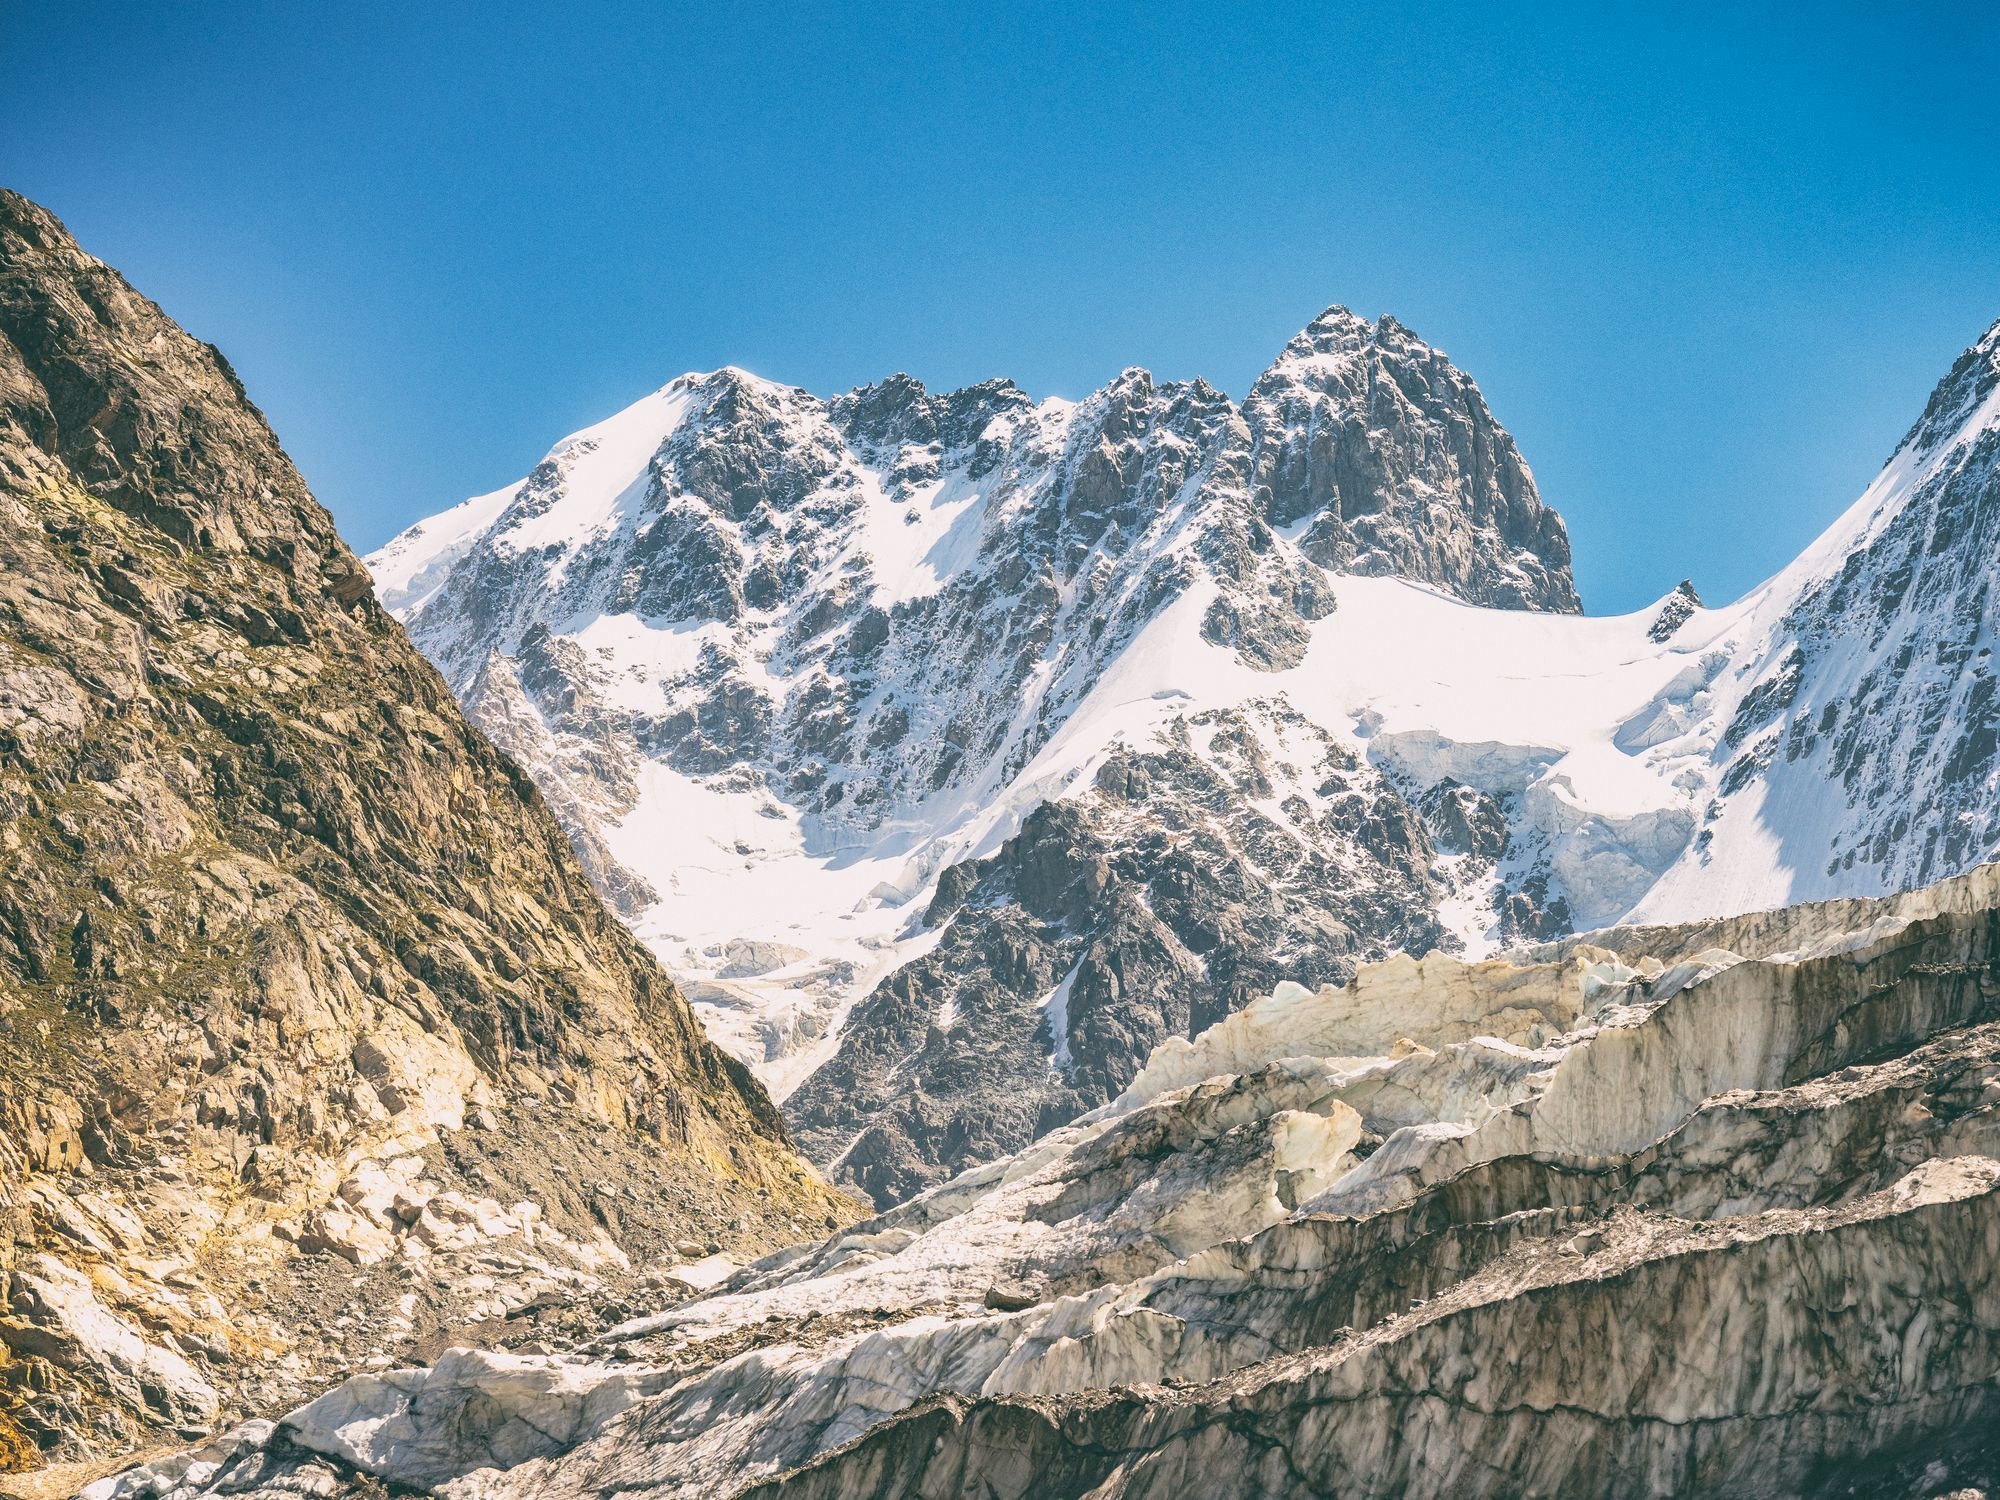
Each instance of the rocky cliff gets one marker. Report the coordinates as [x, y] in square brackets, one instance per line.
[1708, 1209]
[305, 1004]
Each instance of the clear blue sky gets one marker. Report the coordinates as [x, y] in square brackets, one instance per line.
[1706, 263]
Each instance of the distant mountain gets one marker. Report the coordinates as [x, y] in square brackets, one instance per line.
[1855, 727]
[959, 749]
[315, 1043]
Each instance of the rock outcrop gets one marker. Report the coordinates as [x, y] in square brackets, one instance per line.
[305, 1004]
[1708, 1209]
[1387, 454]
[1245, 848]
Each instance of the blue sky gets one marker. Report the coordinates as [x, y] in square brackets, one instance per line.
[1705, 262]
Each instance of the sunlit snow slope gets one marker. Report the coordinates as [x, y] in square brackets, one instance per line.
[960, 748]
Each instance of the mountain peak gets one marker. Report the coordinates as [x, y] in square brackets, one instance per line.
[736, 378]
[1407, 472]
[1674, 611]
[1337, 319]
[1340, 330]
[1964, 399]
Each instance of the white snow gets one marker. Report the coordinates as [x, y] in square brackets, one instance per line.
[605, 473]
[741, 866]
[1057, 1006]
[1512, 703]
[915, 544]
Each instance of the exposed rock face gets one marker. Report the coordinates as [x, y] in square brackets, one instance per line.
[276, 926]
[1387, 451]
[1678, 609]
[1247, 848]
[1036, 733]
[1708, 1209]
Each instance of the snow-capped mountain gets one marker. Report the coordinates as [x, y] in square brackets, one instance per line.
[958, 749]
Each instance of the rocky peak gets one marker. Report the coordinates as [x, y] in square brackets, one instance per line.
[1966, 387]
[912, 434]
[1389, 454]
[971, 410]
[174, 443]
[1674, 611]
[748, 444]
[888, 415]
[1340, 339]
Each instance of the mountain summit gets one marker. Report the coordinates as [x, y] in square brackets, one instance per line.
[775, 655]
[1388, 454]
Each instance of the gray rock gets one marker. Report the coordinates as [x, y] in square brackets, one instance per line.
[1148, 908]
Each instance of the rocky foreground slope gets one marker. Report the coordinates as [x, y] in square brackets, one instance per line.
[1706, 1209]
[315, 1043]
[961, 749]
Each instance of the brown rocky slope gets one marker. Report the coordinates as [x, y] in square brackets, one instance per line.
[313, 1036]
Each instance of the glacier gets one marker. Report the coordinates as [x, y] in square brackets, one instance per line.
[1710, 1208]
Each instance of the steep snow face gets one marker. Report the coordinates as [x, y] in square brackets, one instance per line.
[961, 749]
[1859, 734]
